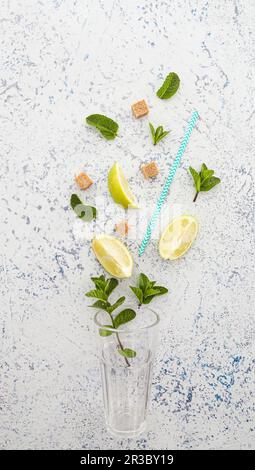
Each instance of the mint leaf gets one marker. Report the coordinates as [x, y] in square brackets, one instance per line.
[209, 183]
[138, 292]
[126, 352]
[196, 178]
[151, 293]
[203, 169]
[111, 284]
[99, 282]
[162, 290]
[203, 181]
[84, 212]
[143, 281]
[103, 332]
[109, 135]
[103, 305]
[117, 304]
[97, 293]
[106, 126]
[103, 285]
[124, 317]
[205, 173]
[169, 87]
[152, 131]
[148, 300]
[161, 136]
[157, 134]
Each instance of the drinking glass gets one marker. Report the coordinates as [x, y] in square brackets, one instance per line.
[126, 381]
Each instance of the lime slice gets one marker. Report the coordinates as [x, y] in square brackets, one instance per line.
[113, 255]
[178, 237]
[119, 188]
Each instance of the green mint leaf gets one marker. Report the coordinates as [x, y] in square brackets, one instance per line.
[108, 134]
[111, 284]
[106, 126]
[152, 132]
[126, 352]
[75, 201]
[98, 294]
[103, 332]
[117, 304]
[169, 87]
[159, 131]
[148, 299]
[84, 212]
[209, 183]
[161, 136]
[157, 290]
[196, 178]
[138, 292]
[203, 169]
[124, 317]
[163, 290]
[99, 282]
[206, 174]
[153, 291]
[102, 304]
[143, 282]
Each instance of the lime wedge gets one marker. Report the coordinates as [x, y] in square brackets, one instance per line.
[119, 188]
[178, 237]
[113, 255]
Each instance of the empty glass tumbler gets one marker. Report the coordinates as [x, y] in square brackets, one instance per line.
[126, 359]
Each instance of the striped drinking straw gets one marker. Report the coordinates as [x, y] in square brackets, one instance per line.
[168, 182]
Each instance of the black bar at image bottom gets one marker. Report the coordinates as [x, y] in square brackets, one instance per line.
[113, 458]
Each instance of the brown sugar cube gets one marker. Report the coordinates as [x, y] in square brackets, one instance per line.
[83, 181]
[140, 108]
[122, 228]
[150, 170]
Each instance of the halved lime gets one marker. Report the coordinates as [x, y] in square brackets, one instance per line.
[178, 237]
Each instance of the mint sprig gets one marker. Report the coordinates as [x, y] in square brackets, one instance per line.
[103, 289]
[106, 126]
[157, 134]
[147, 290]
[204, 180]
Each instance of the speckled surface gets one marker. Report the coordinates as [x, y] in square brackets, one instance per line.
[60, 61]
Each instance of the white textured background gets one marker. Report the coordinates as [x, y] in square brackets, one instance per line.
[60, 61]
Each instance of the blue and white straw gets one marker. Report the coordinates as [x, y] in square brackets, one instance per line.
[168, 182]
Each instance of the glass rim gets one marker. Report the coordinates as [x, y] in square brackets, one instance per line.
[128, 330]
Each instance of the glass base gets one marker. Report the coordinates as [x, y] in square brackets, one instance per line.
[124, 426]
